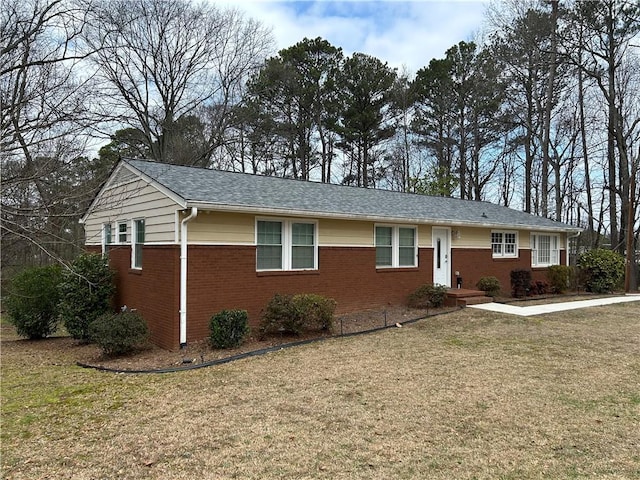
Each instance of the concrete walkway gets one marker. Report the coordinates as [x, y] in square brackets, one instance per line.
[553, 307]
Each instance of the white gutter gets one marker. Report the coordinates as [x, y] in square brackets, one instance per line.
[183, 274]
[371, 218]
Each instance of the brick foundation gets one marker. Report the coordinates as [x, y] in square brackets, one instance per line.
[153, 291]
[224, 277]
[476, 263]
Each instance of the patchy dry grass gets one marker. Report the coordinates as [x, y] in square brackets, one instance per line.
[466, 395]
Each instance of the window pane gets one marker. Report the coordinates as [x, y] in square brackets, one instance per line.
[269, 257]
[406, 248]
[407, 257]
[140, 231]
[137, 243]
[122, 233]
[302, 250]
[407, 237]
[544, 250]
[302, 233]
[107, 233]
[384, 251]
[269, 249]
[383, 256]
[302, 257]
[269, 233]
[383, 236]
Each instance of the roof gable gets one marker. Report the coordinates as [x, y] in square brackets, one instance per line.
[217, 189]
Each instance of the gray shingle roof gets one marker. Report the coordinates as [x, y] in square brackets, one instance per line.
[215, 188]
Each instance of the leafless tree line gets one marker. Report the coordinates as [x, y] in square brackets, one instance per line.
[541, 113]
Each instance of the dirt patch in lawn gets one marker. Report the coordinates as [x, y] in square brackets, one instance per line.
[153, 358]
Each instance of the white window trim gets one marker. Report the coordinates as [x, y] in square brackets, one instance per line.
[117, 238]
[287, 243]
[395, 245]
[516, 252]
[134, 242]
[552, 251]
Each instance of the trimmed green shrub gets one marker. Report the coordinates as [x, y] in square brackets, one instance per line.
[316, 310]
[520, 282]
[428, 295]
[118, 333]
[228, 328]
[296, 313]
[32, 301]
[604, 270]
[490, 285]
[85, 293]
[559, 277]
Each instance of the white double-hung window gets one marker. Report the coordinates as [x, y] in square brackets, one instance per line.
[107, 237]
[396, 246]
[504, 244]
[137, 241]
[545, 250]
[286, 244]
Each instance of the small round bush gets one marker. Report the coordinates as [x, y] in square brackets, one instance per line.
[296, 313]
[428, 295]
[32, 301]
[490, 285]
[85, 293]
[228, 328]
[119, 333]
[604, 270]
[559, 277]
[316, 310]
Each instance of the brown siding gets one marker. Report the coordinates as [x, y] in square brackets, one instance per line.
[225, 277]
[152, 291]
[475, 263]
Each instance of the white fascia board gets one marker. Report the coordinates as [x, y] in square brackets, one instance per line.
[259, 210]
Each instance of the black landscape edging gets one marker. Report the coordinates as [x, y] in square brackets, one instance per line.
[254, 353]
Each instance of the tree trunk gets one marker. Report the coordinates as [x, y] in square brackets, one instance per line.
[547, 111]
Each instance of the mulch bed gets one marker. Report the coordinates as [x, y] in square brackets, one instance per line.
[198, 353]
[153, 358]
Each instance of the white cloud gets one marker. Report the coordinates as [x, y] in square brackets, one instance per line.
[397, 32]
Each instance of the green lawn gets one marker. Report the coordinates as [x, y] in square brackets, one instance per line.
[465, 395]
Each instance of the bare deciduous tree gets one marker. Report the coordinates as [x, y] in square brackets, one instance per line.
[43, 105]
[165, 61]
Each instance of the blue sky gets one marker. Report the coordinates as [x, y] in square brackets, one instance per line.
[401, 33]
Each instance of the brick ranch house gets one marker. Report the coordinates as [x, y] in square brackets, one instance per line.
[188, 242]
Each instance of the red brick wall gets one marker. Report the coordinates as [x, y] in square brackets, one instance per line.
[474, 263]
[225, 277]
[153, 291]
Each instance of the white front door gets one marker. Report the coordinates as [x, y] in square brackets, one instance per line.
[441, 256]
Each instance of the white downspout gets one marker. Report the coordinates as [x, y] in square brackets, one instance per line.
[569, 237]
[183, 275]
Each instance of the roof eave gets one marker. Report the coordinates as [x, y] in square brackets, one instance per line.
[261, 210]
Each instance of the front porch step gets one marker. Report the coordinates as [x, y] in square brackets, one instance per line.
[466, 301]
[461, 297]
